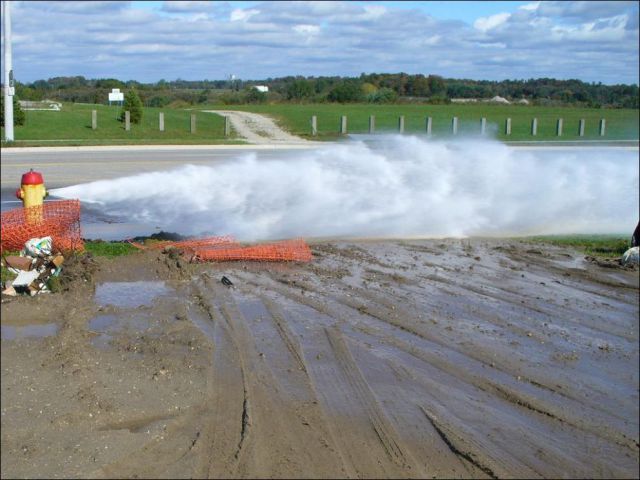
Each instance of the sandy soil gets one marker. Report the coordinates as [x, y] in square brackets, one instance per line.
[417, 358]
[259, 129]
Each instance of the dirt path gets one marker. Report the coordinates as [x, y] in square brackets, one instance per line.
[380, 359]
[259, 129]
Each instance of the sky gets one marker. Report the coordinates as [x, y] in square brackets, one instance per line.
[197, 40]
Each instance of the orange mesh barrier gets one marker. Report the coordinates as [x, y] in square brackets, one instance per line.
[59, 220]
[289, 250]
[189, 244]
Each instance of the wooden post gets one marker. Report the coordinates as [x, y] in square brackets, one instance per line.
[602, 126]
[227, 126]
[454, 125]
[534, 127]
[193, 123]
[343, 125]
[581, 128]
[483, 126]
[559, 128]
[161, 121]
[94, 119]
[372, 124]
[507, 127]
[401, 124]
[314, 125]
[429, 123]
[127, 121]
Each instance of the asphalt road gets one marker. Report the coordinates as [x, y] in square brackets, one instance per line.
[62, 166]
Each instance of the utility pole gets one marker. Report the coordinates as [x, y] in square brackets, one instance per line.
[9, 90]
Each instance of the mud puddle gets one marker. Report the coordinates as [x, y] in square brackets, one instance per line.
[130, 294]
[11, 332]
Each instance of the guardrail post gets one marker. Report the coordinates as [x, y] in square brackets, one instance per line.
[227, 126]
[372, 123]
[507, 127]
[401, 124]
[161, 121]
[429, 123]
[94, 119]
[581, 128]
[454, 125]
[314, 125]
[343, 125]
[534, 127]
[603, 124]
[483, 126]
[193, 123]
[127, 120]
[559, 128]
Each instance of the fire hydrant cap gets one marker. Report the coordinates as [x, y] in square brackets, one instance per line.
[32, 178]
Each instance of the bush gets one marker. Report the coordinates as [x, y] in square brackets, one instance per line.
[133, 104]
[18, 113]
[345, 92]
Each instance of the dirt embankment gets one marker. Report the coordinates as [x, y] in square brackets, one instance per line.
[446, 358]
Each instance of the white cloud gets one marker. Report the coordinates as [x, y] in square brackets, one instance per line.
[488, 23]
[307, 29]
[240, 15]
[593, 41]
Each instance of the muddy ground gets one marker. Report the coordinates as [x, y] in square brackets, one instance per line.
[416, 358]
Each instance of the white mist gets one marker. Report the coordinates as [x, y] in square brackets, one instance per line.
[405, 186]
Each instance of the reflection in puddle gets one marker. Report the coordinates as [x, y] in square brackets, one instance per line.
[129, 294]
[9, 332]
[105, 325]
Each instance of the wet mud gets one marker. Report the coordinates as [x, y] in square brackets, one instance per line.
[475, 358]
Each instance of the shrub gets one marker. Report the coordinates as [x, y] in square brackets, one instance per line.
[18, 113]
[133, 104]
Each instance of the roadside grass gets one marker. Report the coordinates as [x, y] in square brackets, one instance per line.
[621, 124]
[72, 125]
[595, 245]
[101, 248]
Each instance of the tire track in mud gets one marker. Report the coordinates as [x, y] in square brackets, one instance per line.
[385, 432]
[276, 433]
[514, 395]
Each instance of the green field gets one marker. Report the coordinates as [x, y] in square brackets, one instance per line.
[621, 124]
[72, 125]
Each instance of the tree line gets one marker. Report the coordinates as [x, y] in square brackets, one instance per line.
[371, 88]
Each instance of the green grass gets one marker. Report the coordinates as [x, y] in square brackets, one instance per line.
[72, 125]
[621, 124]
[109, 249]
[594, 245]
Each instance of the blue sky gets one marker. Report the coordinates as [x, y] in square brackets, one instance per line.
[193, 40]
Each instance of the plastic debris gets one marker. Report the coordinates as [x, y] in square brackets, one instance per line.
[226, 281]
[34, 267]
[631, 256]
[38, 247]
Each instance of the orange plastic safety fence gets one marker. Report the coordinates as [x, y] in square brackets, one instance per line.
[59, 220]
[209, 242]
[289, 250]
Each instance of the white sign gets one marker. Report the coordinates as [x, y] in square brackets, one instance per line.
[116, 95]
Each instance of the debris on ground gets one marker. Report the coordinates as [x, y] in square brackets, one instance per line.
[631, 256]
[35, 266]
[226, 281]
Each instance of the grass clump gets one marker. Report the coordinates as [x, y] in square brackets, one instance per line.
[595, 245]
[101, 248]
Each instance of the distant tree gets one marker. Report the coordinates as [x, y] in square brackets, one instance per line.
[346, 91]
[254, 95]
[18, 113]
[384, 95]
[133, 104]
[299, 90]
